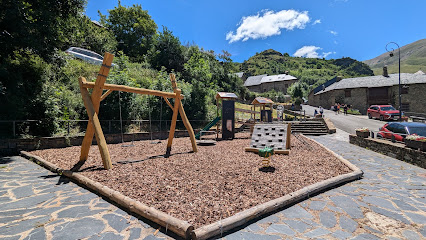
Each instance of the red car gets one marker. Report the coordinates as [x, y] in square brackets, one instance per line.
[399, 130]
[383, 112]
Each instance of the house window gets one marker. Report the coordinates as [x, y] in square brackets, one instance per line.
[405, 107]
[347, 93]
[404, 89]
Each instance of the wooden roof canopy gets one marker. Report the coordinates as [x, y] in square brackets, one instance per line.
[226, 96]
[262, 101]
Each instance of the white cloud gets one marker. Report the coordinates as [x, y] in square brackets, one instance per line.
[333, 32]
[311, 52]
[269, 24]
[316, 21]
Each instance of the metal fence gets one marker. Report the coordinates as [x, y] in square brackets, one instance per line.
[26, 128]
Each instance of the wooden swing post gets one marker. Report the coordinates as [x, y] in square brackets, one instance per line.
[92, 103]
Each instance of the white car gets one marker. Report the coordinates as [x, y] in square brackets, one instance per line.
[86, 55]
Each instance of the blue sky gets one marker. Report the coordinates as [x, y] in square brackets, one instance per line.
[359, 29]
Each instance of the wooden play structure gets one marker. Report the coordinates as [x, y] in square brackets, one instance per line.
[92, 103]
[263, 103]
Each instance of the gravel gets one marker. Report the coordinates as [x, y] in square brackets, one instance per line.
[201, 188]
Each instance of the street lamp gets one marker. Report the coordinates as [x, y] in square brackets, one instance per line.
[399, 73]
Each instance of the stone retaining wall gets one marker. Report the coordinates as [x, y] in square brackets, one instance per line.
[10, 147]
[395, 150]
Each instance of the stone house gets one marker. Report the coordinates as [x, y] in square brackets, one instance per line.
[362, 92]
[265, 83]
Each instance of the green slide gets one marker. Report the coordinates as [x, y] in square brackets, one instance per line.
[207, 127]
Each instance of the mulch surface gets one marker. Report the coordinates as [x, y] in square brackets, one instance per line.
[201, 188]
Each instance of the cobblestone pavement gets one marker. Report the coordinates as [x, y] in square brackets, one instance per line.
[388, 203]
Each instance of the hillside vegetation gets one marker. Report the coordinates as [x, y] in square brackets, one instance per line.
[311, 72]
[413, 59]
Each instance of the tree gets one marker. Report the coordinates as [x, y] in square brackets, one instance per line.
[167, 52]
[133, 28]
[34, 26]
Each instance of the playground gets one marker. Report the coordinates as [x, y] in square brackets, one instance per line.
[204, 187]
[198, 191]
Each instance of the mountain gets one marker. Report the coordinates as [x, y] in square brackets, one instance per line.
[413, 59]
[311, 72]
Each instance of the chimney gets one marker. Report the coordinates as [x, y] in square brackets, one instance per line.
[385, 71]
[286, 72]
[338, 78]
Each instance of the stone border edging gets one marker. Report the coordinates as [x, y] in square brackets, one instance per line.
[245, 216]
[185, 229]
[180, 227]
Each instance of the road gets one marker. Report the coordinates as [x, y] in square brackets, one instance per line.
[347, 123]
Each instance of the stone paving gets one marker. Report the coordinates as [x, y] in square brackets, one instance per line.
[388, 203]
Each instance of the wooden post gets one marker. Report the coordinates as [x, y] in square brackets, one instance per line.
[287, 142]
[94, 122]
[183, 114]
[95, 99]
[173, 124]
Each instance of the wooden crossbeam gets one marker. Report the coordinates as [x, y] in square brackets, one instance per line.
[122, 88]
[106, 94]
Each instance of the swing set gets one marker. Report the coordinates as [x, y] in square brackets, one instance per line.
[92, 103]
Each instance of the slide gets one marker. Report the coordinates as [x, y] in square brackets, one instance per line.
[207, 127]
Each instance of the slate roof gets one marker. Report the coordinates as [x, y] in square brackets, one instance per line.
[254, 80]
[375, 81]
[277, 78]
[226, 95]
[262, 100]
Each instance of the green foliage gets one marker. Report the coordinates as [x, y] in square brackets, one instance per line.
[34, 25]
[133, 27]
[311, 72]
[167, 52]
[79, 31]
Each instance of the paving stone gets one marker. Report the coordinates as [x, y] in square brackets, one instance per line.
[296, 212]
[393, 238]
[280, 228]
[317, 205]
[12, 238]
[250, 236]
[411, 235]
[135, 233]
[21, 192]
[310, 223]
[298, 225]
[107, 236]
[269, 219]
[152, 237]
[328, 219]
[78, 229]
[121, 212]
[45, 211]
[22, 226]
[77, 212]
[365, 236]
[423, 231]
[348, 205]
[23, 203]
[117, 222]
[37, 234]
[390, 214]
[254, 228]
[379, 202]
[373, 230]
[16, 212]
[339, 234]
[9, 219]
[317, 233]
[416, 218]
[348, 224]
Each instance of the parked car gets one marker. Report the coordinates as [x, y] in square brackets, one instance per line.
[86, 55]
[383, 112]
[399, 130]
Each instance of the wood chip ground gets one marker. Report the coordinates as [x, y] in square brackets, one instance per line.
[203, 187]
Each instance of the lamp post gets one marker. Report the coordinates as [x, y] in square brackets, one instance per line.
[399, 73]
